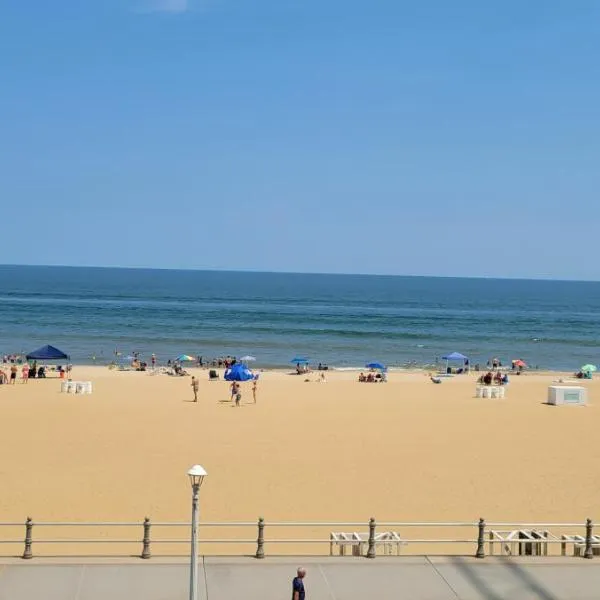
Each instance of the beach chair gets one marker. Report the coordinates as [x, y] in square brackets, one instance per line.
[213, 375]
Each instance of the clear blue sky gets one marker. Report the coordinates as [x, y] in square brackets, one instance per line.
[424, 137]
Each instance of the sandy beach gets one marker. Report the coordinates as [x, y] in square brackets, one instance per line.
[407, 450]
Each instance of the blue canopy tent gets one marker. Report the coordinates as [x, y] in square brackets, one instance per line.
[47, 353]
[239, 372]
[455, 356]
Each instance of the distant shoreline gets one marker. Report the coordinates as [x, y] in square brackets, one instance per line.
[301, 273]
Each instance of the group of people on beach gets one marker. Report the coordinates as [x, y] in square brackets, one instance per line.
[11, 374]
[13, 359]
[496, 378]
[235, 389]
[372, 377]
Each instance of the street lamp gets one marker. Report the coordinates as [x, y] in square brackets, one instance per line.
[196, 475]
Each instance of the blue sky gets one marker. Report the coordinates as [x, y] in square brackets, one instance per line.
[423, 137]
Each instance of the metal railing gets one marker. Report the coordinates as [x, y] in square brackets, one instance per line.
[527, 538]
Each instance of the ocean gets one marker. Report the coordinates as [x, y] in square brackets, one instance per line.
[341, 320]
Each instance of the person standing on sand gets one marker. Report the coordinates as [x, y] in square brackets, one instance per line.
[13, 374]
[234, 389]
[254, 386]
[25, 373]
[298, 592]
[236, 392]
[194, 386]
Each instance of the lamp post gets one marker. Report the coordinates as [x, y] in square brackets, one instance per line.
[196, 475]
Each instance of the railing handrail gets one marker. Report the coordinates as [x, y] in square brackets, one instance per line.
[368, 540]
[517, 524]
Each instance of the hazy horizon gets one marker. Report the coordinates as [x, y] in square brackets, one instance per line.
[323, 273]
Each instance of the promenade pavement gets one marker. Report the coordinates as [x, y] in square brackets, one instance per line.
[410, 578]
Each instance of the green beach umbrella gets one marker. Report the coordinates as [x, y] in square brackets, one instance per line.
[589, 368]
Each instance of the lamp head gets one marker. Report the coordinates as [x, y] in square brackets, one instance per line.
[196, 475]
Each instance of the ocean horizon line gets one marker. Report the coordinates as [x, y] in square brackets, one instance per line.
[302, 273]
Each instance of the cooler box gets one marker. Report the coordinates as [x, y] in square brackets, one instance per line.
[562, 394]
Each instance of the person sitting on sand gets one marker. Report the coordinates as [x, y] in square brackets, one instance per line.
[487, 378]
[498, 378]
[362, 378]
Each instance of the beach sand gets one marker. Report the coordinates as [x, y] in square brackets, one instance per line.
[407, 450]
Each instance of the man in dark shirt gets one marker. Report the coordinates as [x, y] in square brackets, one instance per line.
[298, 585]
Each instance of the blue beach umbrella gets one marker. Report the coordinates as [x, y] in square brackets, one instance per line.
[299, 359]
[375, 365]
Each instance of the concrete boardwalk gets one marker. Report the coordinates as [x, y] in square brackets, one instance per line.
[414, 578]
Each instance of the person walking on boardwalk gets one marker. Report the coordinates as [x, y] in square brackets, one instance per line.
[194, 385]
[298, 592]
